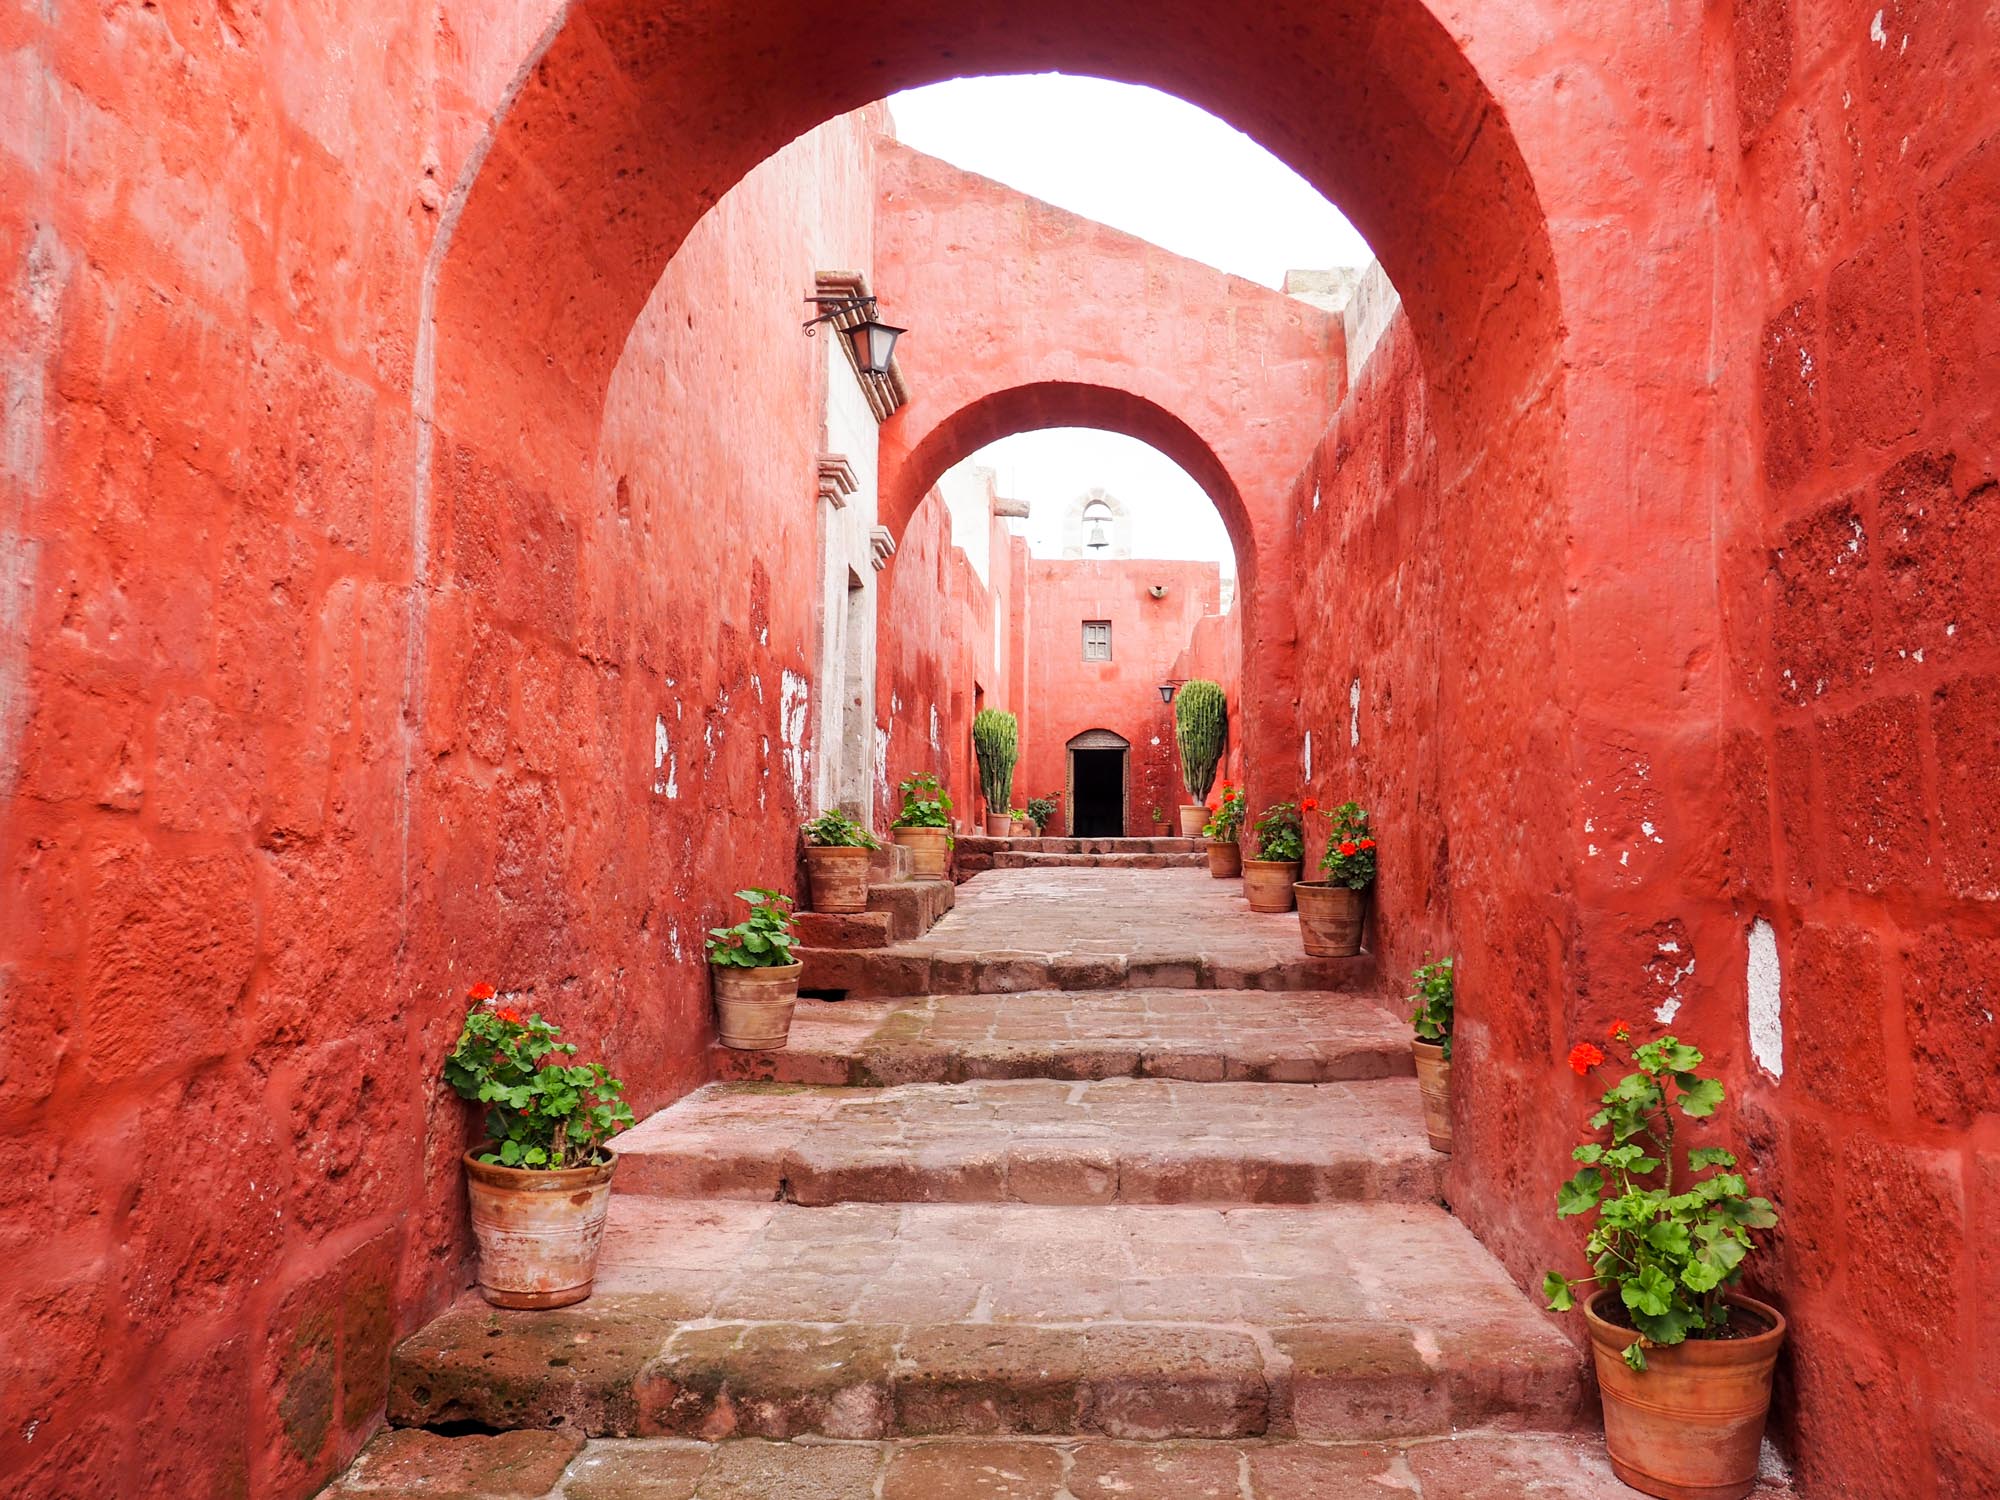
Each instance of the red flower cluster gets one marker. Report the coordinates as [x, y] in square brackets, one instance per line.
[1311, 804]
[1621, 1031]
[1348, 846]
[1583, 1057]
[508, 1013]
[1368, 843]
[480, 992]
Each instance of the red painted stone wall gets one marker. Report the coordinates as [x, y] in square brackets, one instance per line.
[1862, 748]
[1072, 695]
[935, 654]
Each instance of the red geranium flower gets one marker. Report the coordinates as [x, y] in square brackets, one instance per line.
[1583, 1057]
[480, 992]
[1348, 847]
[1621, 1031]
[1368, 843]
[1310, 805]
[508, 1013]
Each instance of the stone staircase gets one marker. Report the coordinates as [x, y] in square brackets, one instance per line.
[975, 855]
[1133, 1240]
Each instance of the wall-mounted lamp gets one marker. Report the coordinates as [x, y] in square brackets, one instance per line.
[1167, 688]
[873, 340]
[1158, 591]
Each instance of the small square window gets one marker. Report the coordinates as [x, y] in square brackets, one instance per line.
[1097, 640]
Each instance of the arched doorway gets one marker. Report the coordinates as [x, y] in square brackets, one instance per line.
[1099, 784]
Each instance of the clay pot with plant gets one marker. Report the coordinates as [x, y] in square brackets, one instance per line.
[539, 1191]
[1201, 734]
[1683, 1358]
[923, 825]
[996, 745]
[756, 977]
[1159, 822]
[1041, 813]
[837, 858]
[1224, 825]
[1431, 993]
[1279, 836]
[1332, 910]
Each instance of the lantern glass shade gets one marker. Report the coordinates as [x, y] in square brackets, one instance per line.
[873, 344]
[1166, 692]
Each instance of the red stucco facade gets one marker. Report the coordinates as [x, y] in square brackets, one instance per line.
[371, 511]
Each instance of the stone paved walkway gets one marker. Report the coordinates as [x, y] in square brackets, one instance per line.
[1166, 1227]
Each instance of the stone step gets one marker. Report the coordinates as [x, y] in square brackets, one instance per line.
[924, 968]
[912, 906]
[829, 929]
[974, 844]
[867, 1321]
[1491, 1464]
[1012, 859]
[1307, 1036]
[1128, 1140]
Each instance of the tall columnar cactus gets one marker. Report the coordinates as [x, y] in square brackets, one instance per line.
[1201, 727]
[996, 741]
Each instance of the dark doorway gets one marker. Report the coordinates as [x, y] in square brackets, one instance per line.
[1097, 809]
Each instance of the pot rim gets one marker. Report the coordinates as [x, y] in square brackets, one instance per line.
[1326, 885]
[535, 1179]
[1610, 1336]
[782, 971]
[1276, 864]
[842, 851]
[922, 828]
[1419, 1044]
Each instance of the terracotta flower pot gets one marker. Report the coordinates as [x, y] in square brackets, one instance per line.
[1434, 1087]
[837, 877]
[1330, 918]
[1267, 883]
[998, 825]
[930, 850]
[1159, 828]
[1688, 1427]
[1023, 829]
[754, 1006]
[1225, 858]
[1193, 815]
[538, 1232]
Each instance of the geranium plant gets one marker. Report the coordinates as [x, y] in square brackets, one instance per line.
[1281, 835]
[544, 1112]
[1430, 989]
[926, 804]
[1671, 1239]
[1041, 811]
[834, 829]
[762, 940]
[1225, 820]
[1349, 859]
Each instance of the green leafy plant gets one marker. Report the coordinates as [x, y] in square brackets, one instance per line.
[996, 745]
[1281, 835]
[1225, 819]
[1670, 1246]
[1018, 814]
[1201, 730]
[1159, 815]
[1349, 859]
[762, 940]
[1430, 989]
[926, 804]
[1041, 811]
[543, 1111]
[834, 829]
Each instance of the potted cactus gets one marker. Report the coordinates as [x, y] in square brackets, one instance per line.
[1683, 1359]
[756, 977]
[539, 1191]
[1281, 850]
[1224, 825]
[923, 825]
[1331, 910]
[996, 746]
[1201, 732]
[837, 852]
[1431, 993]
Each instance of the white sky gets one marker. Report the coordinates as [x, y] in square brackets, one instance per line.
[1157, 167]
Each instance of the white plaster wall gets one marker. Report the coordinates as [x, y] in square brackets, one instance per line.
[844, 750]
[968, 496]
